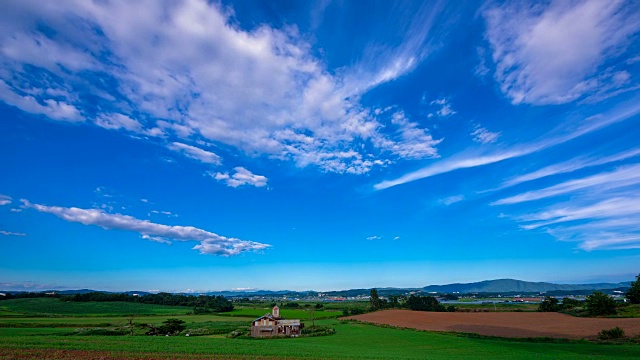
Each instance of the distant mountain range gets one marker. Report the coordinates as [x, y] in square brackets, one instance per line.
[511, 285]
[488, 286]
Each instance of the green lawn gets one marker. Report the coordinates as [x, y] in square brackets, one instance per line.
[352, 341]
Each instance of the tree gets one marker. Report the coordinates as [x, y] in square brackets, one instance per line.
[374, 300]
[130, 321]
[424, 303]
[600, 304]
[549, 304]
[633, 294]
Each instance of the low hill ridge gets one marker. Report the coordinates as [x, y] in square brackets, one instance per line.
[512, 285]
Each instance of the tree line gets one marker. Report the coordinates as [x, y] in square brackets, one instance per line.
[596, 304]
[411, 302]
[201, 304]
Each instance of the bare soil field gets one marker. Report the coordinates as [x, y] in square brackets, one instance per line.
[504, 324]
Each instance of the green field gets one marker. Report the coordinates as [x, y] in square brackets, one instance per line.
[352, 341]
[53, 307]
[286, 313]
[65, 337]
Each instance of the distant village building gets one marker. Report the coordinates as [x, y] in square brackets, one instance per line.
[273, 325]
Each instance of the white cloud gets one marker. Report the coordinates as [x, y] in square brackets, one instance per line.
[187, 70]
[484, 136]
[556, 53]
[5, 200]
[160, 212]
[621, 177]
[196, 153]
[444, 108]
[57, 110]
[562, 134]
[375, 237]
[396, 238]
[9, 233]
[604, 222]
[416, 142]
[209, 243]
[452, 199]
[570, 166]
[240, 177]
[118, 121]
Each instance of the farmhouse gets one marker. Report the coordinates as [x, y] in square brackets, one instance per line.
[273, 325]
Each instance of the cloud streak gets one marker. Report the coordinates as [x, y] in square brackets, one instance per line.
[555, 137]
[209, 243]
[623, 176]
[195, 153]
[5, 200]
[570, 166]
[9, 233]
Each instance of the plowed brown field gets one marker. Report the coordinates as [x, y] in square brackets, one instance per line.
[504, 324]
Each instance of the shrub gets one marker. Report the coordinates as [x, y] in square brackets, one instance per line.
[451, 308]
[357, 311]
[614, 333]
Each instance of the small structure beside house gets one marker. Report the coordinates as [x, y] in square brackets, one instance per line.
[273, 325]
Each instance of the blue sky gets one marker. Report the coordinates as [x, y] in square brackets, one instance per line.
[191, 146]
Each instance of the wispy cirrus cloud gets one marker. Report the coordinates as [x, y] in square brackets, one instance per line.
[9, 233]
[566, 132]
[570, 166]
[241, 176]
[444, 106]
[195, 153]
[484, 136]
[184, 69]
[374, 237]
[452, 199]
[600, 222]
[209, 243]
[623, 176]
[5, 200]
[557, 52]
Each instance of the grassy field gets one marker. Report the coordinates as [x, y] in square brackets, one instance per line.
[352, 341]
[53, 307]
[286, 313]
[53, 336]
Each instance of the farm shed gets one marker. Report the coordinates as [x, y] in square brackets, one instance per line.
[272, 325]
